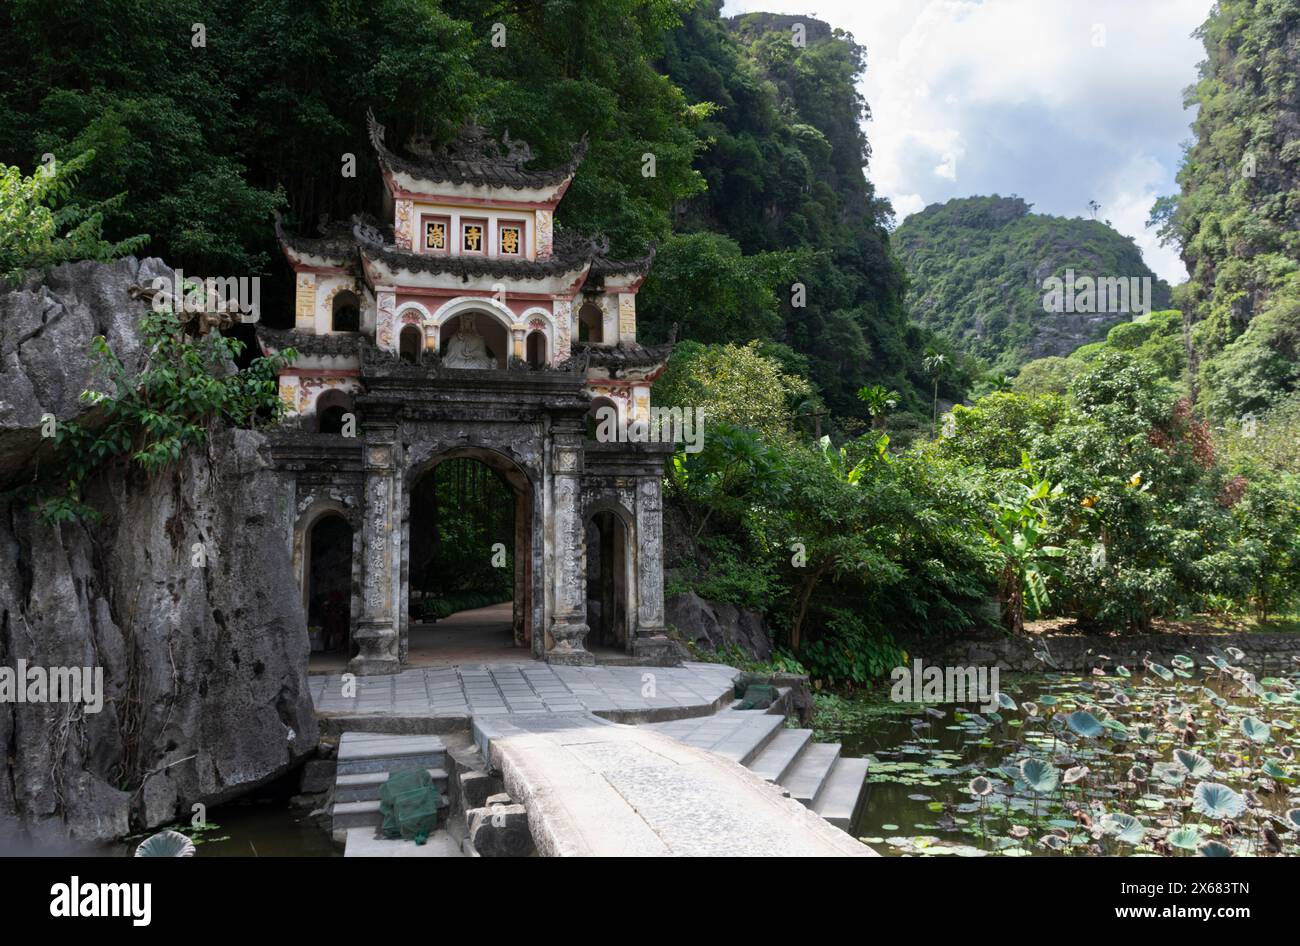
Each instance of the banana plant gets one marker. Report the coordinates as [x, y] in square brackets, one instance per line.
[1018, 533]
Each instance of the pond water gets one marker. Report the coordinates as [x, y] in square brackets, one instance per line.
[1197, 758]
[261, 828]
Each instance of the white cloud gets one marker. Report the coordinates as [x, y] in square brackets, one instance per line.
[1057, 101]
[906, 205]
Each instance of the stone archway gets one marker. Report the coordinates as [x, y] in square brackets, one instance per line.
[523, 548]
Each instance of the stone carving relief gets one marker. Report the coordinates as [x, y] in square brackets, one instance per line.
[386, 330]
[402, 224]
[545, 235]
[563, 329]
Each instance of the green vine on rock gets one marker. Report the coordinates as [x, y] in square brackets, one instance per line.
[187, 386]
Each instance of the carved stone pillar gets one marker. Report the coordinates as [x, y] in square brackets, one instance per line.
[378, 631]
[651, 644]
[569, 620]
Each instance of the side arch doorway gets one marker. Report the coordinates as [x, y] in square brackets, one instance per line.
[609, 580]
[470, 559]
[327, 585]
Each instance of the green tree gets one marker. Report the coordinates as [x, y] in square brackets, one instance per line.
[41, 225]
[880, 401]
[733, 384]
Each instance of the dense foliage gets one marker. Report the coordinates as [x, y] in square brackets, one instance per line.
[41, 224]
[1106, 501]
[1237, 217]
[977, 266]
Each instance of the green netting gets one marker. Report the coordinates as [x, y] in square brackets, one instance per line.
[758, 696]
[408, 802]
[746, 680]
[755, 691]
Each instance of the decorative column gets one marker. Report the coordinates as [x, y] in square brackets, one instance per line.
[386, 327]
[377, 633]
[651, 645]
[569, 620]
[563, 312]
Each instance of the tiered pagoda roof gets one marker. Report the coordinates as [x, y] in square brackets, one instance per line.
[473, 157]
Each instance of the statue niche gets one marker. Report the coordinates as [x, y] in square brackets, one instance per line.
[467, 348]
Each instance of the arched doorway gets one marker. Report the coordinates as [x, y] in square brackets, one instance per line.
[331, 410]
[535, 349]
[345, 312]
[469, 542]
[609, 563]
[591, 324]
[410, 344]
[328, 585]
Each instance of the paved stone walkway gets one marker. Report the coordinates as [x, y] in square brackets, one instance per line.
[625, 693]
[597, 789]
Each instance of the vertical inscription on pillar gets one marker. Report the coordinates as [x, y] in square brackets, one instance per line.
[650, 573]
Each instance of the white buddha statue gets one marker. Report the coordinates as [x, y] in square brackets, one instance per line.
[466, 348]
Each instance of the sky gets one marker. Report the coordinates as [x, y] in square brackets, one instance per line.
[1061, 102]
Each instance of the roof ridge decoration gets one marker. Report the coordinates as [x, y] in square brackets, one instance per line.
[473, 156]
[336, 243]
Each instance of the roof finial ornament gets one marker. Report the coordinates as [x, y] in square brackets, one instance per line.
[374, 129]
[518, 153]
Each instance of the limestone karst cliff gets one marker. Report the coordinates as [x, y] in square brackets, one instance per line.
[205, 666]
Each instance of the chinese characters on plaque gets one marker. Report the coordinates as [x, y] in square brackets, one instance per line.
[435, 234]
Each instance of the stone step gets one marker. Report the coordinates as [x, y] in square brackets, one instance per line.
[360, 753]
[363, 814]
[807, 776]
[364, 786]
[838, 800]
[747, 740]
[361, 842]
[780, 754]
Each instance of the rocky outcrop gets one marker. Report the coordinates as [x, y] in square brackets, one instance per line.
[183, 592]
[713, 625]
[46, 325]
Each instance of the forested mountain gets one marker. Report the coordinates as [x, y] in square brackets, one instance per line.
[977, 267]
[1237, 217]
[786, 205]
